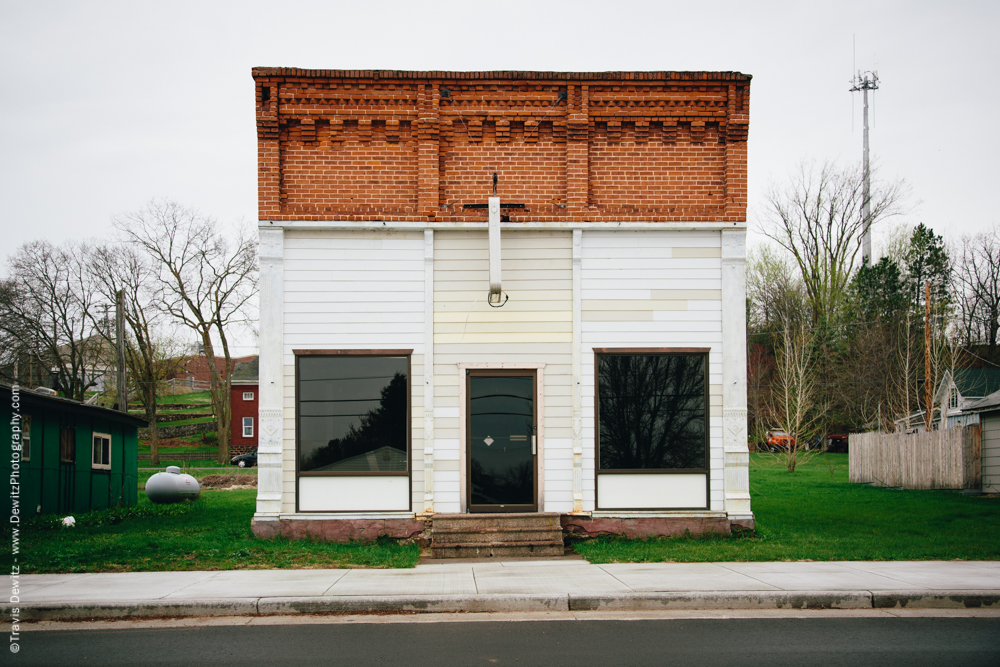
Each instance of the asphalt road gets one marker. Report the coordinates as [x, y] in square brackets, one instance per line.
[732, 642]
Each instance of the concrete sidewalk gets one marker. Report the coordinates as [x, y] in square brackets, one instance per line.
[512, 586]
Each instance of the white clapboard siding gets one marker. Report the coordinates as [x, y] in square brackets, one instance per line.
[353, 290]
[654, 289]
[336, 283]
[534, 326]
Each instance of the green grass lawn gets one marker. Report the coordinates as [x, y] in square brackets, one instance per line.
[816, 514]
[194, 397]
[196, 469]
[211, 533]
[813, 514]
[178, 411]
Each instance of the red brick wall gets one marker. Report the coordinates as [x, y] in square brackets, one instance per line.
[240, 409]
[386, 145]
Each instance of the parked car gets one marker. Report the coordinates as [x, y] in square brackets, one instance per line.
[245, 460]
[777, 441]
[836, 443]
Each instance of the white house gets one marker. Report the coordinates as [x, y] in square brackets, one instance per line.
[567, 338]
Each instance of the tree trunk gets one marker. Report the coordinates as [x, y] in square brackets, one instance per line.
[219, 402]
[154, 438]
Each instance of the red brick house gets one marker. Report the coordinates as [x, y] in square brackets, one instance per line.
[244, 397]
[195, 369]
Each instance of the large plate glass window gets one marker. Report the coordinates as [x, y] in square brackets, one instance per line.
[353, 414]
[652, 412]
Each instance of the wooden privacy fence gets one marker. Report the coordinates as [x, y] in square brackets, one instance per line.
[948, 459]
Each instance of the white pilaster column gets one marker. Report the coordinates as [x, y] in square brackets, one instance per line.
[271, 382]
[428, 371]
[577, 370]
[734, 378]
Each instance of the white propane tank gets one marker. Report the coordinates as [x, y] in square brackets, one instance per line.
[172, 486]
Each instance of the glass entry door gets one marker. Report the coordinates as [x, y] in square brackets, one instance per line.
[501, 447]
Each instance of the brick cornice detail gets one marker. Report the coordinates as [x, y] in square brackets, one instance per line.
[399, 145]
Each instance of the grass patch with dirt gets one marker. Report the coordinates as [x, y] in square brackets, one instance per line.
[816, 514]
[193, 397]
[211, 533]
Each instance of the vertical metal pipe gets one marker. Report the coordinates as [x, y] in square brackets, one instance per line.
[494, 208]
[122, 394]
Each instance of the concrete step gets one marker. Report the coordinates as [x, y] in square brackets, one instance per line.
[498, 550]
[506, 535]
[512, 535]
[512, 520]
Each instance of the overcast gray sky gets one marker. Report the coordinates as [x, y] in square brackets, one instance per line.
[104, 105]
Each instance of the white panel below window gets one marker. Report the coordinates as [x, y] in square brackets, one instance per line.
[639, 491]
[354, 494]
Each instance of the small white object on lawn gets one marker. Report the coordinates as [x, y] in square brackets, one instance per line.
[69, 521]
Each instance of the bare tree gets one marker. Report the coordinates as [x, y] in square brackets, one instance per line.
[207, 279]
[979, 293]
[150, 358]
[775, 295]
[46, 306]
[796, 401]
[819, 219]
[774, 289]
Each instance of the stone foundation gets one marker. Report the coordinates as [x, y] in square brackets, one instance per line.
[419, 530]
[342, 530]
[586, 526]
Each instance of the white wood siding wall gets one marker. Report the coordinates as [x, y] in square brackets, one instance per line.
[652, 289]
[353, 290]
[535, 326]
[991, 452]
[364, 290]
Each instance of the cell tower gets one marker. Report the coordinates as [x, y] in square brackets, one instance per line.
[865, 81]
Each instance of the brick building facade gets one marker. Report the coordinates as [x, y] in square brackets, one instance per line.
[572, 147]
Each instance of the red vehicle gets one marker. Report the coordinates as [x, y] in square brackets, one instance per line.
[778, 441]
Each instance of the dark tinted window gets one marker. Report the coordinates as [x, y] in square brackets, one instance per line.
[352, 414]
[652, 412]
[67, 445]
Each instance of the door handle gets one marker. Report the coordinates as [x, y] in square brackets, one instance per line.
[533, 445]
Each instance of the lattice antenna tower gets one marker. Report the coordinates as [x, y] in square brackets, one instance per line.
[865, 81]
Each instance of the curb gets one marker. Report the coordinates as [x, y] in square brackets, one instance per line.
[935, 599]
[500, 603]
[133, 609]
[421, 604]
[723, 600]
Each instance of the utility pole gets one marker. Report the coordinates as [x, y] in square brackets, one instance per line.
[865, 81]
[122, 394]
[928, 389]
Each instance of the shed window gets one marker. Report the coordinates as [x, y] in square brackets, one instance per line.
[26, 438]
[67, 445]
[248, 396]
[353, 414]
[652, 412]
[248, 427]
[101, 450]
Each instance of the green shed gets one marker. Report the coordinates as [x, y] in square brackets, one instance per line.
[66, 456]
